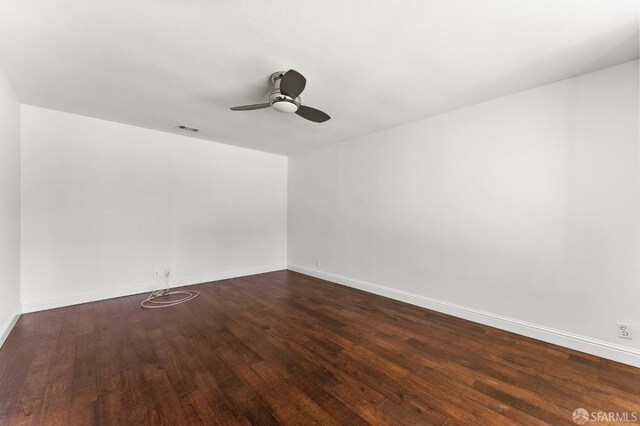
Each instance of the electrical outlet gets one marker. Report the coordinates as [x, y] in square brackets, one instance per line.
[317, 263]
[624, 330]
[156, 273]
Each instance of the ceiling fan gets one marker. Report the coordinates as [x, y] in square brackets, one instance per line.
[285, 97]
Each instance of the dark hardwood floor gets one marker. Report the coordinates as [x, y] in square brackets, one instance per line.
[290, 349]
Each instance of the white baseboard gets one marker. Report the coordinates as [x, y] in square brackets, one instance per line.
[7, 325]
[142, 288]
[585, 344]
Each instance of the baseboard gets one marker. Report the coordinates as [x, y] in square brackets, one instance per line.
[580, 343]
[7, 325]
[142, 288]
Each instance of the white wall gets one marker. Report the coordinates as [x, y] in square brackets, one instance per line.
[9, 207]
[525, 207]
[105, 204]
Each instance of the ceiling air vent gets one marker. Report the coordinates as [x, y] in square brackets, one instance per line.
[187, 128]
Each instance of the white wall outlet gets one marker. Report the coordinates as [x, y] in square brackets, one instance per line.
[317, 263]
[624, 330]
[156, 273]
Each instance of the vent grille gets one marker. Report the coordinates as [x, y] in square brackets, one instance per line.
[187, 128]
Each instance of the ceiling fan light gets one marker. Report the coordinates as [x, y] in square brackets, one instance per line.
[285, 106]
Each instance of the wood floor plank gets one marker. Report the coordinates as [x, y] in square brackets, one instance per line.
[285, 348]
[28, 407]
[13, 379]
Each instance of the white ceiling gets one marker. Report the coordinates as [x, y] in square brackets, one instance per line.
[369, 64]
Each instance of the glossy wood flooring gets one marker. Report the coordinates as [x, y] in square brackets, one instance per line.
[290, 349]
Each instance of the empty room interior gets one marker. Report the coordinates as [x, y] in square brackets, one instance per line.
[319, 212]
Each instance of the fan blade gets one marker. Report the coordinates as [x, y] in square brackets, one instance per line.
[312, 114]
[250, 107]
[292, 83]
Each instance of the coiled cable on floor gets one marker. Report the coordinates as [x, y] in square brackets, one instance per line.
[152, 302]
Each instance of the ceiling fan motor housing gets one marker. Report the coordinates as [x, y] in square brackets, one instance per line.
[280, 102]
